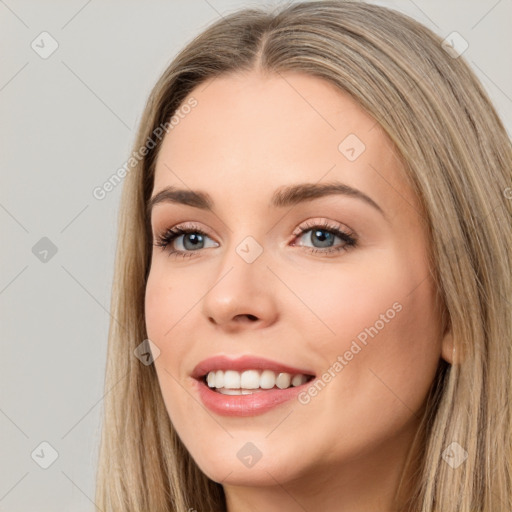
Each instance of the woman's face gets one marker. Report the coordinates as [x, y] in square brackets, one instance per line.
[350, 300]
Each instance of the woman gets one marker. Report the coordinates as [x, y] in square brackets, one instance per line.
[312, 287]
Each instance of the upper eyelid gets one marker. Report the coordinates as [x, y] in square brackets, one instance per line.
[305, 225]
[298, 232]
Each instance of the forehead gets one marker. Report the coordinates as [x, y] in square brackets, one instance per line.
[253, 133]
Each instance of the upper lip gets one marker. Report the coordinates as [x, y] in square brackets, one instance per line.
[242, 363]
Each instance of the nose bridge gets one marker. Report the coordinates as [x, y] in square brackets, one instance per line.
[241, 287]
[246, 255]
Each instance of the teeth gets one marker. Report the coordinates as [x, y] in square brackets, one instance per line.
[219, 378]
[225, 391]
[297, 380]
[249, 379]
[283, 380]
[267, 379]
[231, 382]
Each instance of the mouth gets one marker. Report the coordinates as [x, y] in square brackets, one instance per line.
[247, 386]
[232, 382]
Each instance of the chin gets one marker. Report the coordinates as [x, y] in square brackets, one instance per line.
[242, 462]
[257, 476]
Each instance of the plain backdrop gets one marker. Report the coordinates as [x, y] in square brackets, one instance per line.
[67, 123]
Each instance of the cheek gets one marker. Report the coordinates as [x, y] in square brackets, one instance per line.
[154, 307]
[165, 314]
[381, 319]
[171, 308]
[347, 299]
[383, 351]
[386, 294]
[166, 302]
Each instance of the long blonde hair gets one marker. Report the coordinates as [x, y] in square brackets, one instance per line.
[458, 159]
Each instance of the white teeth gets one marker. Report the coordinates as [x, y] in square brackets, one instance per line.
[231, 382]
[225, 391]
[283, 380]
[250, 379]
[298, 380]
[267, 379]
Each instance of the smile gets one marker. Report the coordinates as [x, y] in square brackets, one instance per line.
[246, 385]
[231, 382]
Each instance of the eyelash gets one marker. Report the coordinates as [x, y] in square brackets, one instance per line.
[167, 238]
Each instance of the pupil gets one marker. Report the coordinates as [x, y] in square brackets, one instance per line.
[193, 238]
[326, 237]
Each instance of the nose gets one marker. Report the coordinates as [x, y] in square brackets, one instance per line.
[241, 295]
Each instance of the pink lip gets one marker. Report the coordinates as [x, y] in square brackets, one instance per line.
[244, 405]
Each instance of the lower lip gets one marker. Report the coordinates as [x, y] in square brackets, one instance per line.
[258, 402]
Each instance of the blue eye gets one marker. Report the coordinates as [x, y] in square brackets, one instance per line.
[324, 235]
[194, 239]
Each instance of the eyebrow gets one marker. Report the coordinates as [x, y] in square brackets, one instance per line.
[283, 197]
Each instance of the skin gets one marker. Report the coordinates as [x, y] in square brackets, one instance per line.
[250, 134]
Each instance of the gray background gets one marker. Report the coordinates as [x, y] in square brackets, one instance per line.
[67, 124]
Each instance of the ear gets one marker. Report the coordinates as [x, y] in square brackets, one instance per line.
[448, 347]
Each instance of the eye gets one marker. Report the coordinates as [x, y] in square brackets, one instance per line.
[192, 240]
[323, 235]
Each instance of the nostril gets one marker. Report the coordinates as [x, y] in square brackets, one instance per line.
[252, 318]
